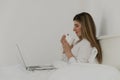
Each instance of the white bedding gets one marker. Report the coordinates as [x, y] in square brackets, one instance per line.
[68, 72]
[18, 72]
[86, 72]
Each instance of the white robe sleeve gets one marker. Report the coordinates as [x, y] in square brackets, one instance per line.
[72, 60]
[83, 53]
[92, 58]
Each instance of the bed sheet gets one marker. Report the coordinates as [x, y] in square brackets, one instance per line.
[68, 72]
[18, 72]
[86, 71]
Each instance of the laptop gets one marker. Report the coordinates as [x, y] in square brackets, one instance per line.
[33, 68]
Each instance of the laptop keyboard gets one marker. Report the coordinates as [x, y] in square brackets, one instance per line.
[43, 67]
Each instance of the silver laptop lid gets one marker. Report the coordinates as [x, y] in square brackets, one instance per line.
[21, 56]
[32, 68]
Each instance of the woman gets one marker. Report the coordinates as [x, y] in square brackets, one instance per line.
[87, 49]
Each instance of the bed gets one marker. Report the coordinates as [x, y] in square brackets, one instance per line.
[68, 72]
[18, 72]
[108, 70]
[86, 72]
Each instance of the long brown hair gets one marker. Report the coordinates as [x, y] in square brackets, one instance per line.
[88, 31]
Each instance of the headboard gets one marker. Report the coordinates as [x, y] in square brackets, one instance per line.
[111, 50]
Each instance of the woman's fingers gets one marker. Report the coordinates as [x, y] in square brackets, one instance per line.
[63, 39]
[65, 45]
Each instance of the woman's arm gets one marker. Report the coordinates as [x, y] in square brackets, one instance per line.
[82, 51]
[66, 47]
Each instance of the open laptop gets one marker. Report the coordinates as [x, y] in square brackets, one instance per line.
[33, 68]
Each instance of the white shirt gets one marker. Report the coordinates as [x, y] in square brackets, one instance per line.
[83, 52]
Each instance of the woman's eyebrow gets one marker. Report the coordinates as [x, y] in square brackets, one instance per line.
[76, 24]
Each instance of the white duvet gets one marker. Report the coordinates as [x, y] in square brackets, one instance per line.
[66, 72]
[18, 72]
[86, 72]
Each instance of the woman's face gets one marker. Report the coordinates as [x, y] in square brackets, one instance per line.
[77, 28]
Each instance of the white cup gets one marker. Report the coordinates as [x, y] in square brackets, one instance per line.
[70, 39]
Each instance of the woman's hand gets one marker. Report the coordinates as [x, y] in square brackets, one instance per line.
[66, 46]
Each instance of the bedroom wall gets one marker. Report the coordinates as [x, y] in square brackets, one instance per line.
[37, 26]
[106, 15]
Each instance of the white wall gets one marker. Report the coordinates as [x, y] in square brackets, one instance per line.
[36, 25]
[106, 15]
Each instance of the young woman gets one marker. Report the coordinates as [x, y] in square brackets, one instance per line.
[87, 49]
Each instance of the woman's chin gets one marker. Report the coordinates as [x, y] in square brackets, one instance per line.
[78, 35]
